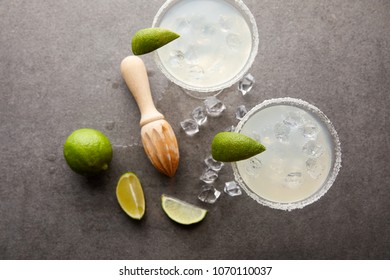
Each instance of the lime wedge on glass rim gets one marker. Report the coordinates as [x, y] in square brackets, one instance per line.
[149, 39]
[131, 196]
[233, 146]
[182, 212]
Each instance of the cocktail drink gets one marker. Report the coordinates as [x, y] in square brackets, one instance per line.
[217, 45]
[303, 154]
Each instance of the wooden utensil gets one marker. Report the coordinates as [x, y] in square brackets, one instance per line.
[157, 136]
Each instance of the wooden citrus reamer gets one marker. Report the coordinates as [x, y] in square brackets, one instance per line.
[157, 136]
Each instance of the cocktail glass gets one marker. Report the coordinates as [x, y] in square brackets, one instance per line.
[218, 44]
[302, 157]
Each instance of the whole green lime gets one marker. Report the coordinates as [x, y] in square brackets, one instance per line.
[88, 151]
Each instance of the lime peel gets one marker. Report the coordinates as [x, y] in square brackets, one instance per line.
[130, 195]
[149, 39]
[182, 212]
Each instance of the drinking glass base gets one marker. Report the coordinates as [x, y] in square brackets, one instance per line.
[201, 95]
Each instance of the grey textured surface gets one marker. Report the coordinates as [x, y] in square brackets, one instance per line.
[59, 71]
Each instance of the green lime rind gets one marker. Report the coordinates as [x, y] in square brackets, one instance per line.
[233, 146]
[88, 151]
[149, 39]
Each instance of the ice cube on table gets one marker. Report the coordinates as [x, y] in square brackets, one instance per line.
[232, 188]
[241, 112]
[208, 194]
[230, 128]
[209, 176]
[214, 106]
[282, 131]
[312, 149]
[190, 127]
[199, 115]
[246, 84]
[213, 164]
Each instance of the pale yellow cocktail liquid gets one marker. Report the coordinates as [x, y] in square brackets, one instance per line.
[215, 42]
[299, 158]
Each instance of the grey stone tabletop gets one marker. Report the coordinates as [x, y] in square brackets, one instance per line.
[59, 71]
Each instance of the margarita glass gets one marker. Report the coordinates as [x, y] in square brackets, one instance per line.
[302, 159]
[217, 45]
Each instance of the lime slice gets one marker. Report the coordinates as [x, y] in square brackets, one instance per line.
[130, 195]
[150, 39]
[182, 212]
[233, 146]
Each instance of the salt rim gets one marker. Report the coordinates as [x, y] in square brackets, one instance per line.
[332, 174]
[255, 45]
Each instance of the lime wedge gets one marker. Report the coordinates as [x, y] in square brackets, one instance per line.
[150, 39]
[233, 146]
[182, 212]
[130, 195]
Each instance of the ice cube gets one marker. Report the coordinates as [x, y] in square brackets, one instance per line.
[266, 140]
[196, 72]
[199, 115]
[277, 165]
[226, 22]
[208, 194]
[190, 127]
[191, 55]
[216, 68]
[214, 106]
[241, 112]
[293, 180]
[232, 188]
[312, 149]
[282, 131]
[230, 128]
[176, 58]
[209, 176]
[182, 25]
[314, 168]
[310, 130]
[213, 164]
[246, 84]
[206, 33]
[208, 30]
[233, 41]
[252, 166]
[256, 135]
[293, 119]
